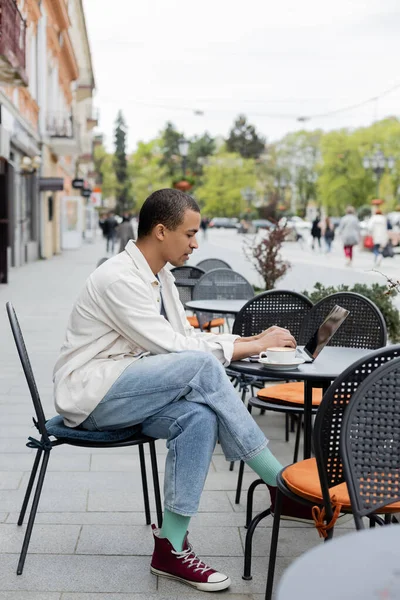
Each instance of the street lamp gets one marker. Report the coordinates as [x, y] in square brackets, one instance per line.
[378, 163]
[183, 146]
[248, 195]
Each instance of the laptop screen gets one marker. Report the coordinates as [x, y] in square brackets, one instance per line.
[325, 331]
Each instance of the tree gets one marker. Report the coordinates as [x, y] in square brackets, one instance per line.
[244, 140]
[104, 166]
[200, 148]
[147, 173]
[123, 187]
[266, 258]
[225, 177]
[171, 158]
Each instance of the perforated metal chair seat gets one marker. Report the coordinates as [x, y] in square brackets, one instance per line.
[302, 479]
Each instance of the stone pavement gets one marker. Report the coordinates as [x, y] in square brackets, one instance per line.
[90, 541]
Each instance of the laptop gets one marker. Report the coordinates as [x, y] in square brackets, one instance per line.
[324, 333]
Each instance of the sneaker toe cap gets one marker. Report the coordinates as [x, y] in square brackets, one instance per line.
[217, 577]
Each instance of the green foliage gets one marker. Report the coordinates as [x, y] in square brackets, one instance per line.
[170, 157]
[224, 178]
[377, 293]
[244, 140]
[200, 147]
[146, 171]
[123, 187]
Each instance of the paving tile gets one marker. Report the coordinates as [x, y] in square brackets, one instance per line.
[10, 480]
[73, 480]
[50, 501]
[85, 518]
[158, 596]
[127, 462]
[115, 540]
[23, 461]
[46, 539]
[64, 573]
[30, 595]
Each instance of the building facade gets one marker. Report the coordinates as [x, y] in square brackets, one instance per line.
[41, 125]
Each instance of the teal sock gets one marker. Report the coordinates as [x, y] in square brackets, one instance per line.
[174, 528]
[266, 466]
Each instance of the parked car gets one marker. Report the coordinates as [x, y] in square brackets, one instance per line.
[225, 222]
[258, 224]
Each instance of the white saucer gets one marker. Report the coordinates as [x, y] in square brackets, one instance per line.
[271, 365]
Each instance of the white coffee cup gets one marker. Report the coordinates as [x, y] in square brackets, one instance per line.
[279, 355]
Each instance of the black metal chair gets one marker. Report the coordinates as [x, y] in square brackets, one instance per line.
[185, 280]
[364, 328]
[220, 284]
[55, 428]
[319, 482]
[274, 307]
[370, 444]
[101, 261]
[208, 264]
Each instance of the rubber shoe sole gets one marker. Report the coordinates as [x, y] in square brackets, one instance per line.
[204, 587]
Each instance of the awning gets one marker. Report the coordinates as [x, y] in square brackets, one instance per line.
[51, 184]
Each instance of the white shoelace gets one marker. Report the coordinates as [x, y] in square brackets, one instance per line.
[188, 556]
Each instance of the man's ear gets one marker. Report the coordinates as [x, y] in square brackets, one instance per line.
[159, 231]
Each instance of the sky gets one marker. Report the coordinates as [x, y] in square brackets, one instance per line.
[274, 61]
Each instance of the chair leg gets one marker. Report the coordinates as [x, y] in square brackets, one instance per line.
[297, 443]
[274, 545]
[231, 465]
[32, 515]
[286, 427]
[249, 542]
[145, 487]
[249, 503]
[239, 482]
[30, 486]
[156, 482]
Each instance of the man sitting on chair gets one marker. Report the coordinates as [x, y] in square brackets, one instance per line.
[130, 356]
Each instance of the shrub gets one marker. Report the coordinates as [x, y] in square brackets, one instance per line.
[266, 258]
[379, 294]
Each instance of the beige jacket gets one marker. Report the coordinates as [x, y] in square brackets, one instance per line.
[117, 319]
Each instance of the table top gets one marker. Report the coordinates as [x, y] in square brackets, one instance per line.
[223, 307]
[361, 565]
[332, 361]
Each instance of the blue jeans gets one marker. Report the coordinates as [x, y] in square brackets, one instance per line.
[187, 399]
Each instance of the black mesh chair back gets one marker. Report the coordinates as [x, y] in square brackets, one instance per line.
[221, 284]
[55, 428]
[185, 280]
[209, 264]
[275, 307]
[101, 261]
[364, 327]
[370, 442]
[329, 419]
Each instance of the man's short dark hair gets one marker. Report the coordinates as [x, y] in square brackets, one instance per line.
[167, 207]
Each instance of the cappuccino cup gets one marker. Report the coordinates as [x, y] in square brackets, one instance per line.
[279, 355]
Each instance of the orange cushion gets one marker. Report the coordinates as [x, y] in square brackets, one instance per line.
[292, 393]
[302, 479]
[214, 323]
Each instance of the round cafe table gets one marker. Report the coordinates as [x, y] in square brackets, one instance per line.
[362, 565]
[329, 364]
[223, 307]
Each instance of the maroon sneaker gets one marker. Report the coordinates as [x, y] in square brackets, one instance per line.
[185, 566]
[291, 510]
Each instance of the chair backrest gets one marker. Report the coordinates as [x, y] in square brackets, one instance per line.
[370, 442]
[329, 419]
[275, 307]
[101, 261]
[208, 264]
[26, 365]
[223, 284]
[185, 278]
[365, 326]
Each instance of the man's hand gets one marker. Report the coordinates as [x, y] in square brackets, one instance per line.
[276, 337]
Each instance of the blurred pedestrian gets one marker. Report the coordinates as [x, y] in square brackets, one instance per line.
[205, 221]
[378, 228]
[316, 232]
[110, 231]
[329, 234]
[125, 231]
[349, 230]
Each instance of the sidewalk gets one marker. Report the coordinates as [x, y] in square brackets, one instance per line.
[90, 541]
